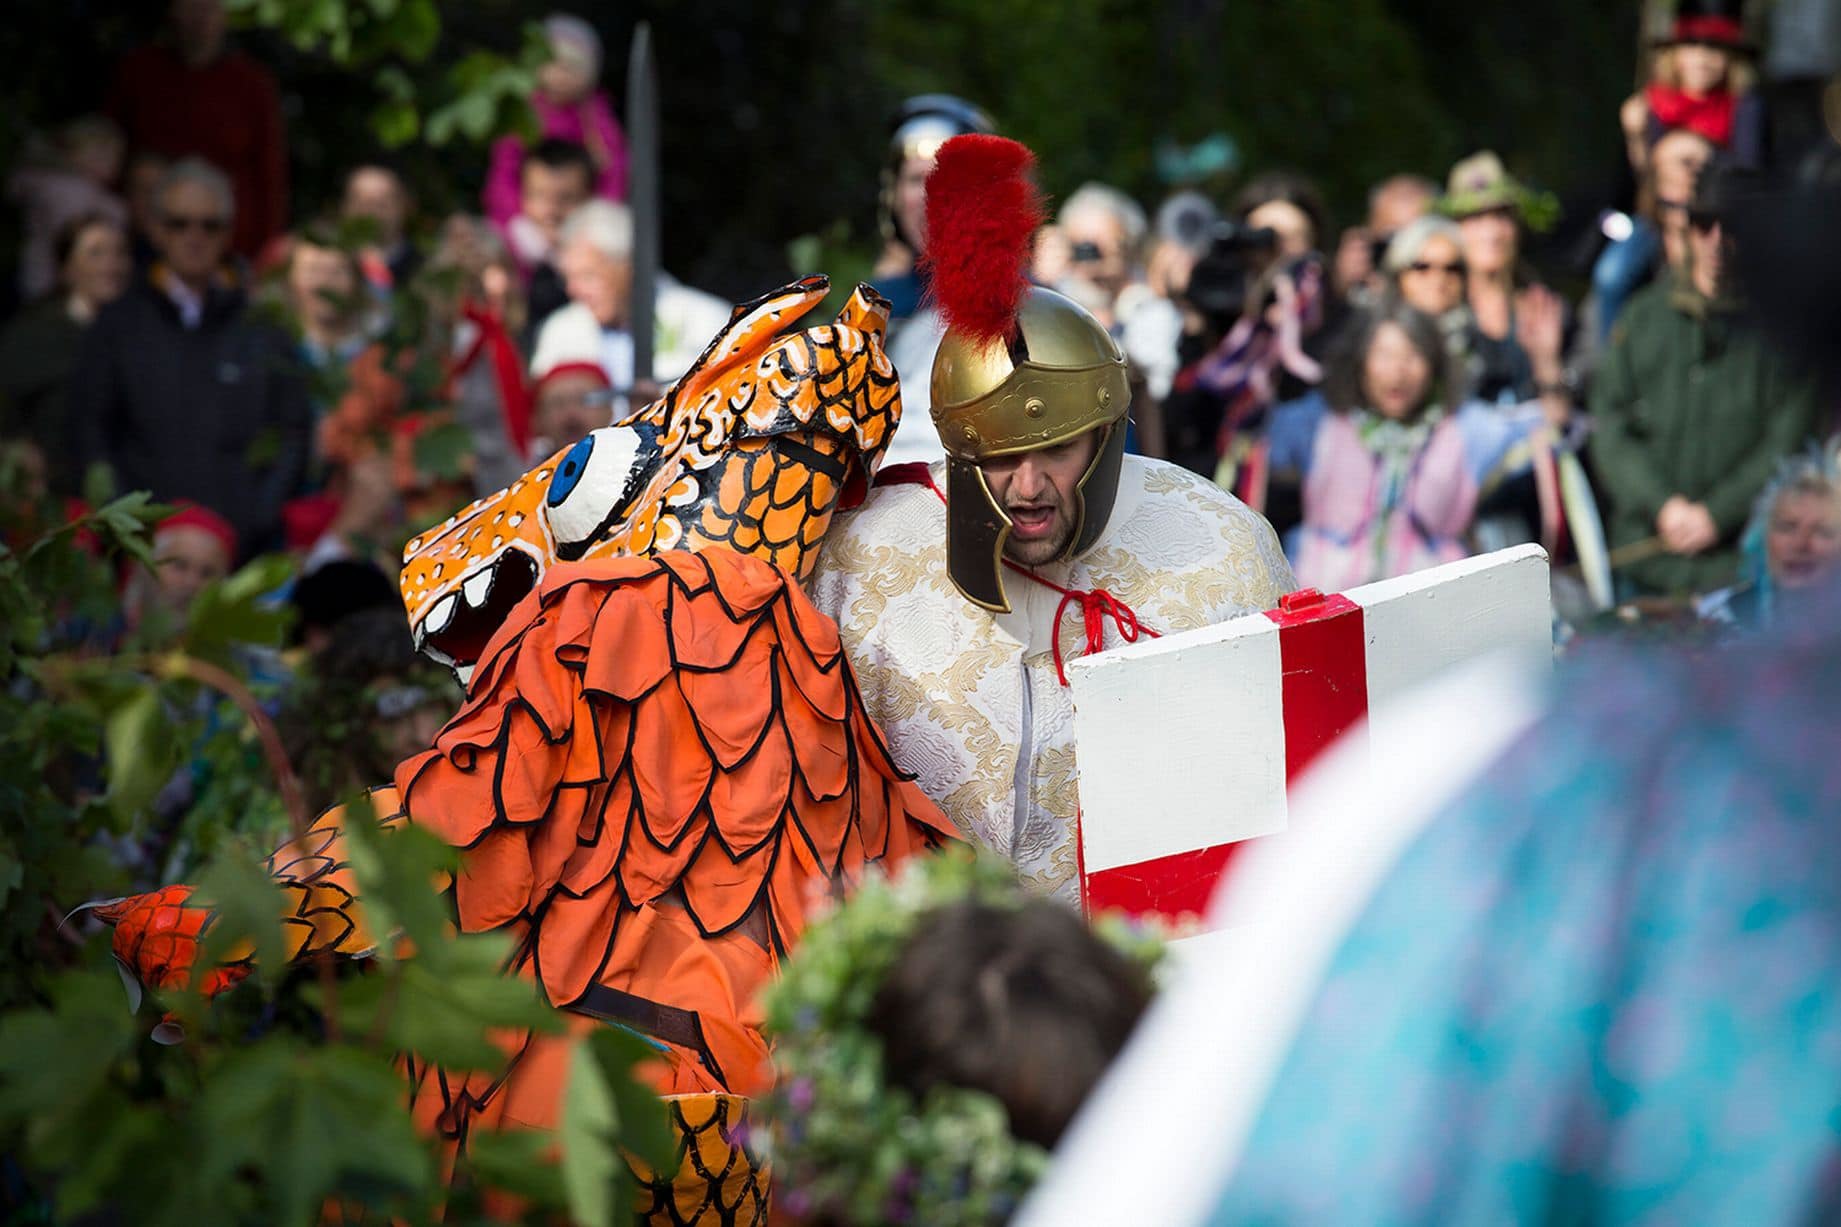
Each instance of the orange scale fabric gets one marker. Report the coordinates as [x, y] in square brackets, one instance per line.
[704, 635]
[670, 765]
[734, 729]
[493, 886]
[629, 653]
[748, 804]
[573, 940]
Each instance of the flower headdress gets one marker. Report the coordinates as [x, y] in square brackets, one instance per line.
[849, 1144]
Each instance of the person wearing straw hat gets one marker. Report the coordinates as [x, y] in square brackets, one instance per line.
[1518, 335]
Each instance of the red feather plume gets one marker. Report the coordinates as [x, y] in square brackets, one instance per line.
[982, 212]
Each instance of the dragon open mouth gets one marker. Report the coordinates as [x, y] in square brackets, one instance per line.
[456, 630]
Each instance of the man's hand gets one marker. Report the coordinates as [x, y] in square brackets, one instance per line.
[1685, 527]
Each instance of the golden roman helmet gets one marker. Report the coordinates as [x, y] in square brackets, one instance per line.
[1019, 368]
[1061, 376]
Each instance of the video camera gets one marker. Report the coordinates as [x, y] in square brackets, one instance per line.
[1224, 275]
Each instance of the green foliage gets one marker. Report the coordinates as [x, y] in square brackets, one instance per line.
[392, 42]
[285, 1094]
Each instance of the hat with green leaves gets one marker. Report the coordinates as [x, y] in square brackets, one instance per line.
[1482, 184]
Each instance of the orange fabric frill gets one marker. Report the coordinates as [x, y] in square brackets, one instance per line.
[660, 763]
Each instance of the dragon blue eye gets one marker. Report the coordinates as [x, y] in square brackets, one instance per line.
[570, 471]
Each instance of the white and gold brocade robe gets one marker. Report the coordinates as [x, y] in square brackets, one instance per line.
[969, 700]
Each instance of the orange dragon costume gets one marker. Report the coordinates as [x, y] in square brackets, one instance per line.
[662, 755]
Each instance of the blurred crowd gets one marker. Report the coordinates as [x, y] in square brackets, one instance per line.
[1394, 393]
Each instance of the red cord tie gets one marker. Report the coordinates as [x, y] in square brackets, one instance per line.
[1095, 606]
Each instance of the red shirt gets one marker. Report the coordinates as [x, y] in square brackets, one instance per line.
[227, 112]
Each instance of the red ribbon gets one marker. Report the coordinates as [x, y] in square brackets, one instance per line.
[1095, 606]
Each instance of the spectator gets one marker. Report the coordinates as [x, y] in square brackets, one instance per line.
[1424, 264]
[939, 1006]
[1288, 205]
[39, 346]
[1104, 230]
[486, 317]
[1693, 413]
[1517, 341]
[570, 109]
[1392, 204]
[556, 180]
[192, 95]
[1382, 461]
[922, 125]
[1184, 225]
[597, 261]
[572, 397]
[325, 595]
[1701, 80]
[376, 194]
[326, 303]
[1792, 544]
[1658, 233]
[192, 548]
[179, 391]
[139, 183]
[1152, 332]
[1255, 319]
[368, 701]
[55, 186]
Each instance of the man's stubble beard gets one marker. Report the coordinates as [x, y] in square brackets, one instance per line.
[1047, 549]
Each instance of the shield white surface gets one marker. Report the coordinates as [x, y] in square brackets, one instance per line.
[1188, 744]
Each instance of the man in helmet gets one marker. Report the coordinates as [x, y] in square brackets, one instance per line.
[962, 589]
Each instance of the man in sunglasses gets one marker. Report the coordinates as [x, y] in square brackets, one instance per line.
[1692, 412]
[178, 390]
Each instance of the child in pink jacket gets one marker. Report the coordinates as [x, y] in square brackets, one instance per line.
[569, 108]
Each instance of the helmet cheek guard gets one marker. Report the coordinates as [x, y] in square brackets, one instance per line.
[1062, 377]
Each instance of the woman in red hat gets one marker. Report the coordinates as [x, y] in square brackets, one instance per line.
[1700, 80]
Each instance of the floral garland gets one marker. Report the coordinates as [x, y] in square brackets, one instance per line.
[847, 1145]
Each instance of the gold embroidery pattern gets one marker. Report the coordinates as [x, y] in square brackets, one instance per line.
[945, 683]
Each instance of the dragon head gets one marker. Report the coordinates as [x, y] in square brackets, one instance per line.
[754, 449]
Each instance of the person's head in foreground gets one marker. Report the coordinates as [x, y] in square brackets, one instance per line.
[935, 1035]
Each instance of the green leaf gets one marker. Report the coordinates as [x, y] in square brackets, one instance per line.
[396, 871]
[415, 29]
[53, 1059]
[141, 752]
[445, 1009]
[440, 450]
[240, 609]
[605, 1110]
[644, 1125]
[249, 906]
[518, 1161]
[311, 1124]
[591, 1169]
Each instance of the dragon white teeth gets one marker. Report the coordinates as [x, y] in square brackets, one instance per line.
[465, 674]
[477, 586]
[439, 617]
